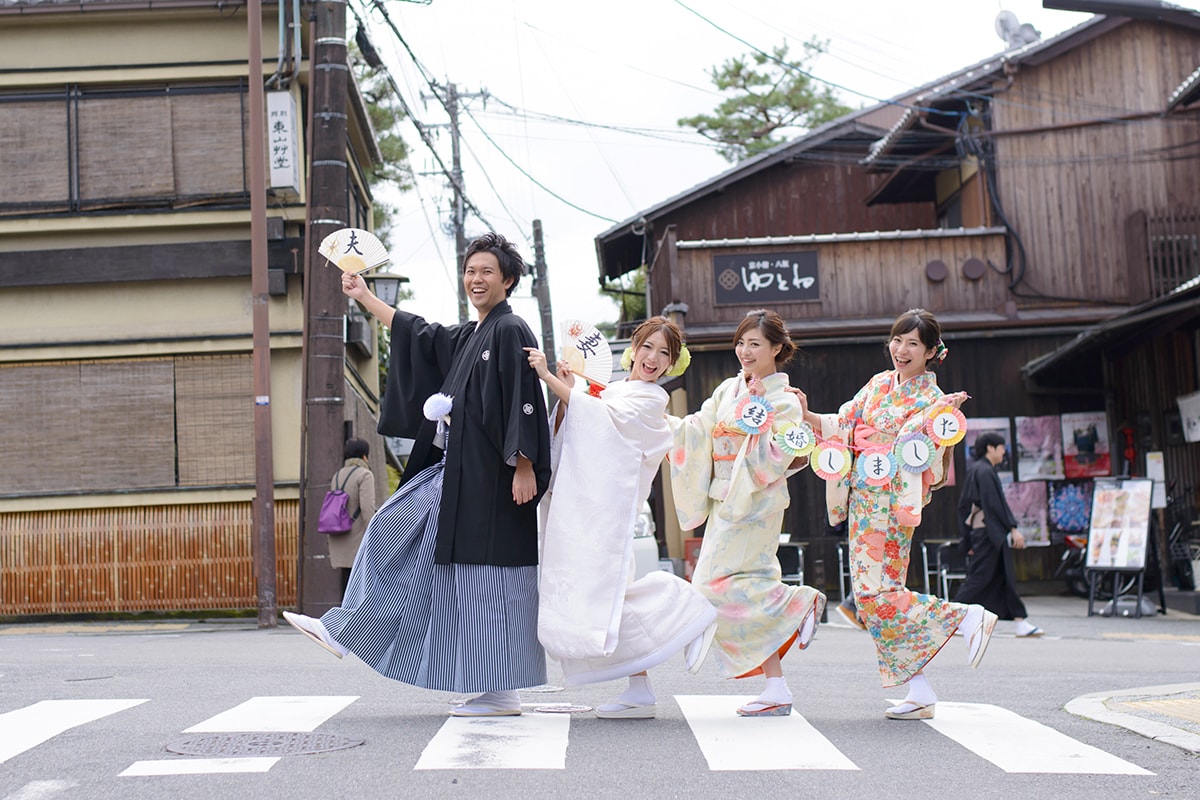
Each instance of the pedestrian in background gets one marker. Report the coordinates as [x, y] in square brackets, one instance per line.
[358, 482]
[989, 536]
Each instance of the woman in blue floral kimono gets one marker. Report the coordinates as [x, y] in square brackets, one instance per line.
[729, 466]
[898, 433]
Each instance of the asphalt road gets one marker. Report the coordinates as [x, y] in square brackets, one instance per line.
[1001, 730]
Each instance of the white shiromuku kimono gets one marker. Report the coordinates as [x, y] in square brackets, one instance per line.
[597, 621]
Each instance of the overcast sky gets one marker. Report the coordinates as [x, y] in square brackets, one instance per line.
[629, 69]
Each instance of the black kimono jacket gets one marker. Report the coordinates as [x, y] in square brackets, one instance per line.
[982, 488]
[499, 411]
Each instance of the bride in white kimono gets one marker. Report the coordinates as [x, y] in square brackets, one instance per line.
[597, 621]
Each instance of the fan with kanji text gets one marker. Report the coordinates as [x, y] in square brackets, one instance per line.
[354, 250]
[587, 352]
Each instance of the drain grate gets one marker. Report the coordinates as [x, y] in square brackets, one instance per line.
[261, 744]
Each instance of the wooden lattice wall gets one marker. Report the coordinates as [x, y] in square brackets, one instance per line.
[157, 558]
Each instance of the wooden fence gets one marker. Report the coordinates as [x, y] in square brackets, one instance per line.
[124, 560]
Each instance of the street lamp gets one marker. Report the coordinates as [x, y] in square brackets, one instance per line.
[386, 286]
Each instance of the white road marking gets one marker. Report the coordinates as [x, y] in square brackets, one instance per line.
[197, 766]
[40, 790]
[296, 714]
[28, 727]
[730, 742]
[1016, 744]
[530, 741]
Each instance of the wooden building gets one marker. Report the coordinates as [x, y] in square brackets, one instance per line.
[1023, 199]
[126, 397]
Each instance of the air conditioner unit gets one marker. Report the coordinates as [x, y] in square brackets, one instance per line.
[361, 334]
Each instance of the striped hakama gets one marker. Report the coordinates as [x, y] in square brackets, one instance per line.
[451, 627]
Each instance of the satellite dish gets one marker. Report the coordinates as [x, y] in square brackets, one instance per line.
[1006, 25]
[1013, 32]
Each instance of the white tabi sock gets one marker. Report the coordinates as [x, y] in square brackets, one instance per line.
[919, 691]
[506, 699]
[776, 692]
[639, 693]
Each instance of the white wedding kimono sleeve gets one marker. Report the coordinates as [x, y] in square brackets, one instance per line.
[611, 448]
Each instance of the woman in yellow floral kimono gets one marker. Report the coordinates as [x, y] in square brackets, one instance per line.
[883, 493]
[730, 465]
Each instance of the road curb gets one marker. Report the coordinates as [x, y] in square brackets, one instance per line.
[1096, 706]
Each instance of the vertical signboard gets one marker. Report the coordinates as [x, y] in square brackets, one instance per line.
[283, 142]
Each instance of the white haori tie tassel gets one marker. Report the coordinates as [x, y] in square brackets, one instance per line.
[437, 409]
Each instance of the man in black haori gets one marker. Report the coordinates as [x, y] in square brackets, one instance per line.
[443, 594]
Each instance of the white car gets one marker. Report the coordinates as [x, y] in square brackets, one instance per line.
[645, 546]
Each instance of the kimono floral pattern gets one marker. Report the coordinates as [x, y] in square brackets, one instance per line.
[908, 628]
[738, 483]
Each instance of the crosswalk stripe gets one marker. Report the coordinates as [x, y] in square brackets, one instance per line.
[530, 741]
[25, 728]
[730, 742]
[198, 766]
[41, 790]
[1017, 744]
[296, 714]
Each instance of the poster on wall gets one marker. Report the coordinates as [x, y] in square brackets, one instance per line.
[1070, 506]
[1120, 524]
[1000, 425]
[1039, 449]
[1085, 445]
[1028, 503]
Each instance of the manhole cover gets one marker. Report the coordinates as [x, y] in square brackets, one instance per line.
[562, 708]
[260, 744]
[544, 688]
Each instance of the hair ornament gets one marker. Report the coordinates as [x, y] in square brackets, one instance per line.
[681, 364]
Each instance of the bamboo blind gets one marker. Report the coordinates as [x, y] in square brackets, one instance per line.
[87, 426]
[209, 146]
[33, 152]
[215, 420]
[160, 558]
[125, 148]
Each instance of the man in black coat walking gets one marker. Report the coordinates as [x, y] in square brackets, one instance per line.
[989, 535]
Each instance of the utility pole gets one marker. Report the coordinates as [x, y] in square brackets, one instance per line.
[541, 290]
[324, 391]
[262, 543]
[459, 211]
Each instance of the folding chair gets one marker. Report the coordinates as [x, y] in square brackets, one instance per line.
[844, 582]
[951, 564]
[791, 562]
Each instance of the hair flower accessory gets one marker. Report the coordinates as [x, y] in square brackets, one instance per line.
[627, 359]
[681, 364]
[940, 351]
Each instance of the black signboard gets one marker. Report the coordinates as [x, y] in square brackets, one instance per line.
[765, 278]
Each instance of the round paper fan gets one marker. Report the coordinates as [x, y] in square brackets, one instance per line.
[354, 250]
[946, 426]
[831, 460]
[586, 351]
